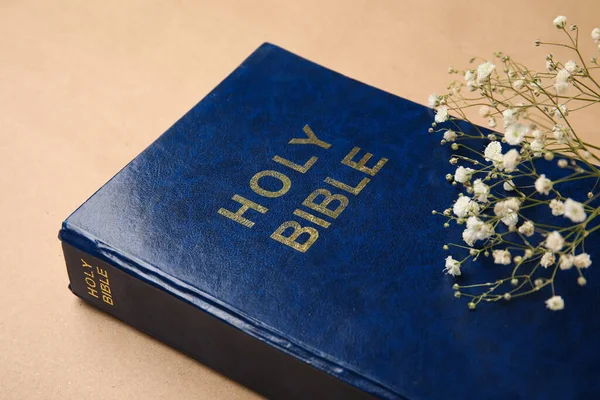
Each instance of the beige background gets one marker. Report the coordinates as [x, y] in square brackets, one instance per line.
[86, 85]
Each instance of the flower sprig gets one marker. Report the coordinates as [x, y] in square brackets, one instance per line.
[498, 172]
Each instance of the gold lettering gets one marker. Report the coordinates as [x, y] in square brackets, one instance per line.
[92, 292]
[291, 239]
[354, 190]
[90, 282]
[311, 218]
[360, 165]
[287, 184]
[102, 272]
[312, 139]
[300, 168]
[246, 204]
[107, 299]
[322, 208]
[105, 288]
[85, 264]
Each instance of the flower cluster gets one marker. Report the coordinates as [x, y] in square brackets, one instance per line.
[499, 178]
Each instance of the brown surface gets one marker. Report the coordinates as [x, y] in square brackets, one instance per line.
[86, 85]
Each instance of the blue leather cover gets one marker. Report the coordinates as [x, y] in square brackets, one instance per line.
[368, 301]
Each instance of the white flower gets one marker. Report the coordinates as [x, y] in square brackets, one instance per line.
[574, 211]
[484, 71]
[563, 75]
[562, 163]
[484, 111]
[565, 261]
[537, 146]
[582, 260]
[452, 266]
[463, 175]
[476, 230]
[493, 152]
[543, 185]
[571, 66]
[515, 133]
[560, 21]
[471, 86]
[433, 101]
[492, 122]
[561, 111]
[555, 303]
[481, 190]
[450, 135]
[547, 259]
[465, 206]
[441, 115]
[518, 84]
[539, 135]
[507, 210]
[469, 76]
[558, 207]
[596, 35]
[508, 185]
[527, 228]
[510, 117]
[501, 257]
[549, 65]
[561, 87]
[554, 241]
[511, 160]
[558, 132]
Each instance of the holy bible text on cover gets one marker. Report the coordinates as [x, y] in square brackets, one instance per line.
[281, 233]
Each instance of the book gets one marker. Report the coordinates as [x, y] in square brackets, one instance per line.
[281, 233]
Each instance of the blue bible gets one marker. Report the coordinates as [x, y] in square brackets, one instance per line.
[281, 233]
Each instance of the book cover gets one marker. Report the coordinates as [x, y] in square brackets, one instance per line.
[281, 233]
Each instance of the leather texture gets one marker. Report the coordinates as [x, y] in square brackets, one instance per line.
[368, 303]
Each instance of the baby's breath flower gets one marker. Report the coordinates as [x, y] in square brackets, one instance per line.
[481, 190]
[557, 207]
[563, 163]
[511, 160]
[561, 84]
[501, 257]
[560, 21]
[515, 133]
[582, 260]
[493, 152]
[476, 230]
[527, 228]
[547, 259]
[465, 206]
[508, 185]
[510, 117]
[555, 303]
[433, 101]
[565, 261]
[463, 175]
[575, 211]
[554, 241]
[561, 111]
[484, 71]
[518, 84]
[441, 115]
[543, 185]
[492, 123]
[484, 111]
[581, 281]
[571, 66]
[596, 35]
[452, 266]
[450, 135]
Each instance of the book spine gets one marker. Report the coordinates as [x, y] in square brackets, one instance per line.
[207, 339]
